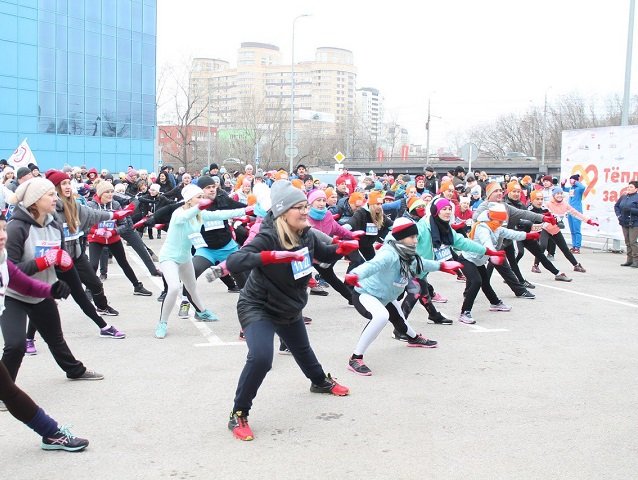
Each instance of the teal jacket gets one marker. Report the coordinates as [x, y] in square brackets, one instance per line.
[425, 249]
[381, 276]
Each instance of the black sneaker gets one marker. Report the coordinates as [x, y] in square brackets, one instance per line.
[103, 277]
[440, 319]
[107, 311]
[357, 366]
[88, 375]
[330, 386]
[140, 290]
[234, 289]
[527, 295]
[63, 439]
[421, 341]
[402, 337]
[161, 297]
[526, 284]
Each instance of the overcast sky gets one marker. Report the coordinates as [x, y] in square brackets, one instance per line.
[474, 59]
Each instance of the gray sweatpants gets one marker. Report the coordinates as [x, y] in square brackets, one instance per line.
[173, 273]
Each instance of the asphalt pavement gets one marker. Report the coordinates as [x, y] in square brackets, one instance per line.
[547, 390]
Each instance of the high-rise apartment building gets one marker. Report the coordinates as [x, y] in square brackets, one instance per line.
[259, 88]
[370, 110]
[78, 80]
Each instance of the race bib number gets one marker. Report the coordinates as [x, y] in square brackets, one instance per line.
[303, 268]
[70, 236]
[213, 225]
[371, 229]
[443, 253]
[197, 240]
[572, 193]
[43, 246]
[107, 224]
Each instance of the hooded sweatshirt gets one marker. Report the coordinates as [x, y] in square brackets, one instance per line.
[28, 240]
[489, 238]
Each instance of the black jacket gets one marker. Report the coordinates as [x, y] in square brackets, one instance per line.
[217, 238]
[271, 290]
[359, 221]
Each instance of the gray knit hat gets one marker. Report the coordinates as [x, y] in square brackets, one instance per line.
[284, 196]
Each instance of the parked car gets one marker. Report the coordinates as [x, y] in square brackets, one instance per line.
[329, 177]
[518, 156]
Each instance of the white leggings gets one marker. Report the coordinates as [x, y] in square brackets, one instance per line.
[174, 272]
[379, 316]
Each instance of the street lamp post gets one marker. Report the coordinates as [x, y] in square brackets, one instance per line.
[427, 141]
[291, 141]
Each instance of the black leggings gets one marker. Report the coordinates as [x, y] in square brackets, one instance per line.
[427, 292]
[534, 248]
[117, 249]
[72, 278]
[560, 242]
[46, 318]
[477, 278]
[329, 275]
[18, 403]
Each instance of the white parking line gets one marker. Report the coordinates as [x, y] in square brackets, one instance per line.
[211, 339]
[589, 295]
[480, 329]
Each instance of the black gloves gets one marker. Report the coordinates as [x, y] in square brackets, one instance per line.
[60, 289]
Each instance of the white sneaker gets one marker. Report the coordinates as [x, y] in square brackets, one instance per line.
[466, 317]
[500, 307]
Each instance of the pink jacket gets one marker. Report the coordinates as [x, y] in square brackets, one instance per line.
[329, 226]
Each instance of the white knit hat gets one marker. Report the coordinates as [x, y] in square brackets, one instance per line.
[32, 190]
[190, 190]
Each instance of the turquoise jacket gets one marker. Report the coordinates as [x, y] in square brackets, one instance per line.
[184, 224]
[424, 245]
[381, 276]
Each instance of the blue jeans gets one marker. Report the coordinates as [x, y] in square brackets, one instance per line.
[574, 228]
[259, 338]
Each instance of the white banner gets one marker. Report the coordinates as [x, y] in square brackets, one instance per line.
[605, 158]
[22, 156]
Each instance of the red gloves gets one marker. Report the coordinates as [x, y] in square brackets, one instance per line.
[140, 224]
[494, 253]
[352, 279]
[549, 218]
[450, 266]
[378, 245]
[125, 212]
[592, 223]
[347, 246]
[204, 203]
[496, 260]
[54, 257]
[458, 226]
[276, 256]
[159, 226]
[336, 216]
[357, 234]
[533, 236]
[249, 210]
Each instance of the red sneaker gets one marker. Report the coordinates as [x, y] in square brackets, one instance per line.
[238, 424]
[330, 386]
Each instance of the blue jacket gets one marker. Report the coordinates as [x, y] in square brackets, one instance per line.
[575, 193]
[626, 209]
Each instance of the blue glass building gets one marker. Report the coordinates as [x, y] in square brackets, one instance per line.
[77, 79]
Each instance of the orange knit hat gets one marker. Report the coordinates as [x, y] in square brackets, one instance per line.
[375, 197]
[445, 186]
[535, 194]
[251, 199]
[511, 185]
[356, 199]
[329, 192]
[297, 184]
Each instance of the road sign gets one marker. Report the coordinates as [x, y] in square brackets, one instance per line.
[339, 157]
[291, 151]
[469, 152]
[292, 139]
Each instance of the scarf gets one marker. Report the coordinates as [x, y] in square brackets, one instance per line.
[407, 255]
[441, 232]
[492, 224]
[317, 213]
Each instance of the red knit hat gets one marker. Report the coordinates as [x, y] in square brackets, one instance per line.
[404, 227]
[56, 176]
